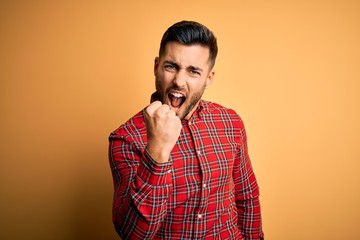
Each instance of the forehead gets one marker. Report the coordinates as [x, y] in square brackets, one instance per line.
[187, 55]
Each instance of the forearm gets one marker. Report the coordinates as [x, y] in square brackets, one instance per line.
[249, 219]
[246, 192]
[141, 191]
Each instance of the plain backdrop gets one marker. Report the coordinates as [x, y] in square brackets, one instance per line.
[72, 71]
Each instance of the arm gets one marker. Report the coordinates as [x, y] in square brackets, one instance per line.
[141, 187]
[142, 178]
[246, 192]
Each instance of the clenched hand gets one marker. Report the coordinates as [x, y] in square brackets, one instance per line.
[163, 129]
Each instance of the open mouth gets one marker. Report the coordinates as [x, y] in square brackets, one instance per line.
[176, 99]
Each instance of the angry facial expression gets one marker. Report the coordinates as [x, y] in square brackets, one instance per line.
[182, 74]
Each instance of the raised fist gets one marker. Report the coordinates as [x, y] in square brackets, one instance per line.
[163, 129]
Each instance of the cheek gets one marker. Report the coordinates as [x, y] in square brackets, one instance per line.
[197, 85]
[167, 76]
[165, 79]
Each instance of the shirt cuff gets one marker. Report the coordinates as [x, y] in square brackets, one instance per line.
[154, 173]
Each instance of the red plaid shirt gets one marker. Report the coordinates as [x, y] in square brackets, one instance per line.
[207, 190]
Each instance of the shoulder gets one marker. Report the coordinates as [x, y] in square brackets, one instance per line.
[133, 127]
[224, 119]
[214, 111]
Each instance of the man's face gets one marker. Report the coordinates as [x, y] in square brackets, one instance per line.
[182, 74]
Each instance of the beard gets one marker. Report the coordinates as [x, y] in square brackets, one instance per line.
[187, 106]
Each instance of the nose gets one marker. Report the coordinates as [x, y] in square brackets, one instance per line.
[180, 78]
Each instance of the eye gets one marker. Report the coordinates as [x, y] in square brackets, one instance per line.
[170, 67]
[194, 72]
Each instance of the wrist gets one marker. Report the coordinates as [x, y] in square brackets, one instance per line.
[158, 154]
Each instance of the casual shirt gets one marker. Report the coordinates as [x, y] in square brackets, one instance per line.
[207, 190]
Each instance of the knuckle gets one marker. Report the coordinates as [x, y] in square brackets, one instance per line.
[157, 104]
[165, 107]
[152, 107]
[148, 112]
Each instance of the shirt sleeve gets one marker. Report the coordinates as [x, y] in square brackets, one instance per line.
[141, 187]
[246, 191]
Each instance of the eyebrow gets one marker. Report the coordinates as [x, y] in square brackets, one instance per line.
[177, 65]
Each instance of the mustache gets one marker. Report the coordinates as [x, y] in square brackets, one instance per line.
[175, 89]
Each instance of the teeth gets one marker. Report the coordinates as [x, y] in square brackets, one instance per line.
[178, 95]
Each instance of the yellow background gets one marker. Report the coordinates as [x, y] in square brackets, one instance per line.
[73, 71]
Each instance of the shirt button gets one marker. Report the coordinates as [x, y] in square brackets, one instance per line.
[204, 185]
[199, 152]
[199, 216]
[169, 171]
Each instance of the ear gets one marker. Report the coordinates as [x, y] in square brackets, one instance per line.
[210, 78]
[156, 65]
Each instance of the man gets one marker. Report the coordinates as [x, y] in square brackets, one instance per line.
[181, 168]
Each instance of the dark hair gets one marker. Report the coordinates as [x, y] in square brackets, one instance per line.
[190, 33]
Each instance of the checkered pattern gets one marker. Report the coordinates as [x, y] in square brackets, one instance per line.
[206, 191]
